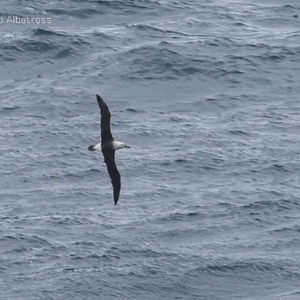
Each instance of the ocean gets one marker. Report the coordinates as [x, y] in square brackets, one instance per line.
[206, 93]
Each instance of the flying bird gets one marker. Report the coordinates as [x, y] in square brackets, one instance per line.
[108, 146]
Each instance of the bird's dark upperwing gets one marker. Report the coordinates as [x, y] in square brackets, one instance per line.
[109, 159]
[106, 135]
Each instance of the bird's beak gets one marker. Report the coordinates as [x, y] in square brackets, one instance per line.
[125, 146]
[91, 148]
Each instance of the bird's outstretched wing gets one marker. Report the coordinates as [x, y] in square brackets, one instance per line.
[106, 135]
[109, 159]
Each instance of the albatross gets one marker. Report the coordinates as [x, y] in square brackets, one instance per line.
[109, 146]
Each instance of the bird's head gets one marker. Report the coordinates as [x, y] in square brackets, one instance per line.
[124, 146]
[119, 145]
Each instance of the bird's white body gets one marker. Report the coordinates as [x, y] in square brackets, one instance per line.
[97, 147]
[115, 144]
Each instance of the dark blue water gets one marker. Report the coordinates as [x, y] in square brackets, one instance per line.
[206, 93]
